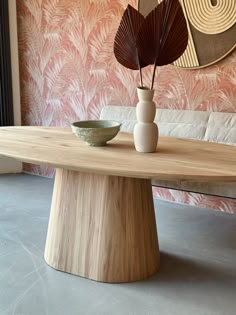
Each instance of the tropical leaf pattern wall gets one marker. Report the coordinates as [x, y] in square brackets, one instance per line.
[68, 72]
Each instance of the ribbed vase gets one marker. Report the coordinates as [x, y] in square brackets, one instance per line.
[145, 130]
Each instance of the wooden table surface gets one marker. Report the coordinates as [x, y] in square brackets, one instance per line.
[175, 158]
[103, 227]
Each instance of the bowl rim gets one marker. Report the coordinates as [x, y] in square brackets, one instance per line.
[118, 124]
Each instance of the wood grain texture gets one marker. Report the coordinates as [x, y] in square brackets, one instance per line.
[174, 159]
[102, 227]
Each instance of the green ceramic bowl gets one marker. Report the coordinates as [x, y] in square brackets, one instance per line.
[96, 132]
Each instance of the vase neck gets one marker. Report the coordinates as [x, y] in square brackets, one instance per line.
[145, 94]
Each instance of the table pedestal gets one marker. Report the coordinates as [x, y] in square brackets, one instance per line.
[102, 227]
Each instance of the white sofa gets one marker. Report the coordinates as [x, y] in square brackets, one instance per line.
[209, 126]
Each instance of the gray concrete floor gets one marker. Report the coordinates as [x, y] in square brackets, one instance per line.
[197, 274]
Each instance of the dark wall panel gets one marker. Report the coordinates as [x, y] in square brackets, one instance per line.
[6, 100]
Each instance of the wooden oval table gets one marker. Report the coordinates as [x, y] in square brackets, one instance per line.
[102, 222]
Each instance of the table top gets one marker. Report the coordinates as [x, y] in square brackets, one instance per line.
[175, 158]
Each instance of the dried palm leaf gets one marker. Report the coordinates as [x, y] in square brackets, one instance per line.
[125, 44]
[163, 36]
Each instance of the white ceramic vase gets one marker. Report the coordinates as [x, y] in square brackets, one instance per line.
[145, 130]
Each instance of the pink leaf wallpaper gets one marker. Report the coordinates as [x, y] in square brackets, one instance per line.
[68, 72]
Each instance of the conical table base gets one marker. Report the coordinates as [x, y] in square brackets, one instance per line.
[102, 227]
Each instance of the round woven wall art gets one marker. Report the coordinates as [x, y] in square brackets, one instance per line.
[212, 30]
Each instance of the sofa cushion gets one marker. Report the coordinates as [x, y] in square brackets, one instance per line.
[208, 126]
[221, 128]
[176, 123]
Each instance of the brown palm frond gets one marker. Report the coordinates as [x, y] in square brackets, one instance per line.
[163, 36]
[125, 44]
